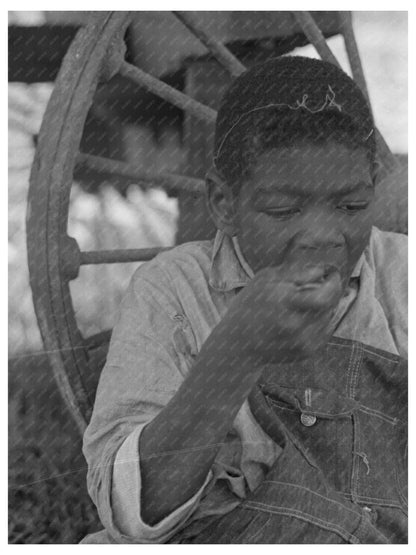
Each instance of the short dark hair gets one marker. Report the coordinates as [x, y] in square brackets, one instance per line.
[285, 102]
[265, 130]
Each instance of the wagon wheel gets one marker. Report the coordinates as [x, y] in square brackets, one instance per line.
[54, 258]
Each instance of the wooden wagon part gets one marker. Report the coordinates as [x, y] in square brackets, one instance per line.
[95, 56]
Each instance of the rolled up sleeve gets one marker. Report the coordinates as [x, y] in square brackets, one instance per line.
[126, 496]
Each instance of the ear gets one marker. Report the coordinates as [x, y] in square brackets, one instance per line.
[221, 202]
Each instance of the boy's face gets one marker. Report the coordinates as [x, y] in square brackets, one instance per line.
[309, 204]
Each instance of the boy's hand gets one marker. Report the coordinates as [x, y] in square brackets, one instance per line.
[283, 314]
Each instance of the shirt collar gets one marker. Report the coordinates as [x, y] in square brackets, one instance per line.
[230, 270]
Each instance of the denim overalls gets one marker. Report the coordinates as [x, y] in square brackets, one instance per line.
[341, 420]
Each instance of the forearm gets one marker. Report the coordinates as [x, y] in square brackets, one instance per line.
[178, 447]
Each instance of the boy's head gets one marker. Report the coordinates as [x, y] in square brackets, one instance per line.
[286, 102]
[294, 157]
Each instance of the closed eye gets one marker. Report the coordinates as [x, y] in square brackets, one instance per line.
[352, 207]
[282, 213]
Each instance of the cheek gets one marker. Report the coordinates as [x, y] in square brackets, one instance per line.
[358, 231]
[263, 241]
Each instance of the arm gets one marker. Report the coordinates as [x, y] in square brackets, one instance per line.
[273, 320]
[178, 447]
[147, 363]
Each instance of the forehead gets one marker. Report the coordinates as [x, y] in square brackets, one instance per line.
[305, 169]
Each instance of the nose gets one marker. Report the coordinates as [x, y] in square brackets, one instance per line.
[319, 230]
[319, 237]
[317, 251]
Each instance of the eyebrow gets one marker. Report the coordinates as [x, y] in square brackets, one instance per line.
[365, 185]
[291, 190]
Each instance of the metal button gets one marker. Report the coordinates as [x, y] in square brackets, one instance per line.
[307, 419]
[372, 513]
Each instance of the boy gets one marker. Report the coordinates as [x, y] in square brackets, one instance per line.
[255, 387]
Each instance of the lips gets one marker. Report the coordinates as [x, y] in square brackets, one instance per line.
[314, 267]
[315, 276]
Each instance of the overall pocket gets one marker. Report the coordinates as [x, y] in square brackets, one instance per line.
[320, 422]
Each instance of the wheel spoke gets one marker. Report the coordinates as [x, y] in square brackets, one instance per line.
[167, 92]
[345, 19]
[221, 52]
[315, 36]
[120, 256]
[169, 181]
[73, 258]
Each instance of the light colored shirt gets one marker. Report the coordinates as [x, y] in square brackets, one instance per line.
[170, 308]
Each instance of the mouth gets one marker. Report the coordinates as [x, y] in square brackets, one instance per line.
[317, 274]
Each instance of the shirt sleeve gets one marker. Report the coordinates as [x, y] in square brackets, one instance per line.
[126, 492]
[150, 353]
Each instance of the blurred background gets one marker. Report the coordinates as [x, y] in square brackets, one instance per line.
[48, 502]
